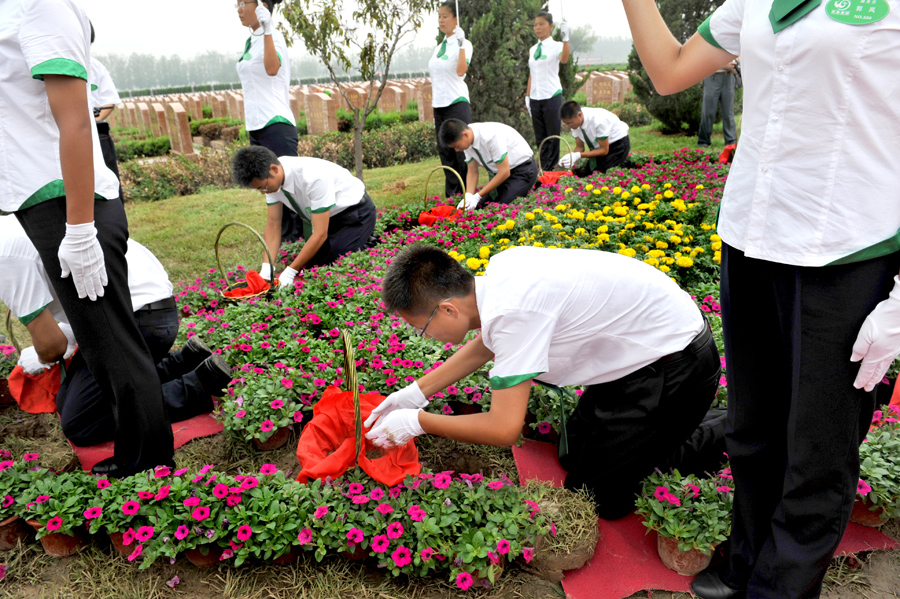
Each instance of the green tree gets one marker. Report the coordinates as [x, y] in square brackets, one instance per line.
[678, 112]
[364, 43]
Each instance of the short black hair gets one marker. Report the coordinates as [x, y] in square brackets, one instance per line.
[451, 5]
[420, 277]
[251, 163]
[451, 131]
[92, 31]
[569, 110]
[545, 15]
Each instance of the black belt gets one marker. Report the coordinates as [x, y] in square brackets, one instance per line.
[162, 304]
[702, 338]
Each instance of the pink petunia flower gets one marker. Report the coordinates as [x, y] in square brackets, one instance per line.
[244, 532]
[863, 488]
[495, 484]
[276, 404]
[464, 580]
[287, 383]
[360, 499]
[93, 512]
[305, 536]
[377, 494]
[268, 469]
[442, 480]
[266, 426]
[54, 523]
[380, 543]
[528, 554]
[544, 428]
[163, 493]
[146, 495]
[129, 508]
[128, 537]
[249, 483]
[426, 554]
[136, 553]
[220, 490]
[191, 502]
[240, 413]
[694, 490]
[401, 556]
[394, 530]
[723, 489]
[162, 471]
[181, 532]
[200, 513]
[144, 533]
[355, 489]
[233, 500]
[41, 498]
[354, 535]
[30, 457]
[502, 546]
[102, 483]
[298, 416]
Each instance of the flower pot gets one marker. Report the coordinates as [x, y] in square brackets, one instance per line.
[278, 438]
[288, 557]
[686, 563]
[863, 514]
[6, 398]
[61, 545]
[119, 544]
[12, 530]
[207, 560]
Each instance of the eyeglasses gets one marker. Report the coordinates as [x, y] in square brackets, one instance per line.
[242, 4]
[433, 312]
[264, 188]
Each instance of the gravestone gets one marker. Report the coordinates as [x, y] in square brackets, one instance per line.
[219, 106]
[322, 114]
[390, 100]
[179, 129]
[233, 106]
[130, 116]
[146, 123]
[423, 99]
[158, 114]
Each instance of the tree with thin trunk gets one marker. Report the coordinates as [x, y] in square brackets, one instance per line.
[363, 39]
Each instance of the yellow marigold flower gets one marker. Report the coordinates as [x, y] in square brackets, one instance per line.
[629, 225]
[668, 194]
[625, 195]
[620, 211]
[628, 252]
[503, 241]
[479, 273]
[484, 262]
[667, 186]
[671, 223]
[537, 244]
[652, 261]
[716, 246]
[699, 187]
[605, 188]
[560, 208]
[645, 186]
[663, 268]
[473, 263]
[603, 229]
[459, 257]
[717, 257]
[635, 189]
[484, 252]
[705, 227]
[603, 237]
[669, 260]
[452, 253]
[617, 190]
[656, 253]
[536, 228]
[510, 224]
[550, 247]
[657, 197]
[529, 216]
[556, 226]
[597, 192]
[696, 251]
[661, 245]
[568, 189]
[580, 231]
[715, 237]
[675, 239]
[590, 217]
[588, 187]
[644, 206]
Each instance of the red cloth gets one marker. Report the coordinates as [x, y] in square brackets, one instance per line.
[551, 177]
[727, 154]
[255, 285]
[36, 393]
[327, 445]
[439, 213]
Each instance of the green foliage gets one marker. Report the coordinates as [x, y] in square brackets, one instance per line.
[175, 176]
[207, 112]
[677, 112]
[141, 148]
[633, 113]
[377, 120]
[57, 501]
[8, 359]
[879, 457]
[398, 144]
[225, 122]
[15, 478]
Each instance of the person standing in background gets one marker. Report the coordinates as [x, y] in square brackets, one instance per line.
[718, 92]
[104, 98]
[543, 97]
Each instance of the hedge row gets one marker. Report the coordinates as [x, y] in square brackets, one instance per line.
[398, 144]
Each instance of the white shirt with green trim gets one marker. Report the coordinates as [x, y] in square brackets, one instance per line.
[37, 38]
[578, 317]
[544, 71]
[814, 179]
[267, 99]
[103, 90]
[312, 186]
[493, 142]
[447, 87]
[600, 124]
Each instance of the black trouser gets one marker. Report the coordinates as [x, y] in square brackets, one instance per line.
[795, 421]
[85, 413]
[109, 152]
[449, 156]
[545, 120]
[281, 138]
[520, 182]
[108, 337]
[652, 418]
[348, 231]
[617, 156]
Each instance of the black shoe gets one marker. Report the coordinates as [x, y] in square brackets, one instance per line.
[107, 467]
[214, 374]
[194, 352]
[708, 585]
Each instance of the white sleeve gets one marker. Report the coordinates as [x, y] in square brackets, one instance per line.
[499, 148]
[467, 47]
[106, 92]
[24, 288]
[321, 194]
[723, 28]
[520, 342]
[52, 38]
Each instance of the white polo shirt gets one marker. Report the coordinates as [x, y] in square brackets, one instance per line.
[448, 88]
[495, 141]
[312, 186]
[814, 179]
[600, 124]
[578, 317]
[267, 100]
[37, 38]
[26, 290]
[545, 70]
[103, 91]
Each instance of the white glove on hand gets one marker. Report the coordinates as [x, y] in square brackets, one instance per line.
[30, 362]
[408, 397]
[265, 271]
[564, 30]
[81, 256]
[459, 35]
[528, 104]
[71, 343]
[396, 429]
[469, 202]
[265, 18]
[569, 160]
[878, 342]
[286, 278]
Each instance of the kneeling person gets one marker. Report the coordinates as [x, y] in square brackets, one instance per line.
[602, 132]
[565, 317]
[337, 214]
[498, 148]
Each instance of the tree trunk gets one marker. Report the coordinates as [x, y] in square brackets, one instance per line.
[358, 127]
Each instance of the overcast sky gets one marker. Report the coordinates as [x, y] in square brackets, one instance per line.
[188, 28]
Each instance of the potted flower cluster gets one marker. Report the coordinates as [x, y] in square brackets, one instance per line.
[265, 405]
[15, 478]
[55, 505]
[690, 515]
[878, 491]
[8, 359]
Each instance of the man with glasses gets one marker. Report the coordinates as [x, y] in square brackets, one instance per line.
[337, 214]
[564, 317]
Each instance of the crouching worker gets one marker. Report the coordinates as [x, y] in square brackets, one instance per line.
[600, 137]
[565, 317]
[189, 376]
[498, 148]
[338, 216]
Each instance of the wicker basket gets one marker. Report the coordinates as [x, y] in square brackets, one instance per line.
[565, 141]
[433, 171]
[353, 386]
[230, 286]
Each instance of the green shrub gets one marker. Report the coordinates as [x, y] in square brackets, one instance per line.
[399, 144]
[129, 149]
[120, 134]
[301, 125]
[207, 112]
[225, 122]
[377, 120]
[633, 113]
[176, 175]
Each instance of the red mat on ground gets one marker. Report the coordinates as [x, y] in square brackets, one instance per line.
[203, 425]
[625, 560]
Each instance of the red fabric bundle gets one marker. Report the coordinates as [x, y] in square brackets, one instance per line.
[327, 445]
[551, 177]
[438, 213]
[255, 285]
[36, 393]
[727, 154]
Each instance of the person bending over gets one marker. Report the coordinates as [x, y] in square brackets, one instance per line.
[600, 137]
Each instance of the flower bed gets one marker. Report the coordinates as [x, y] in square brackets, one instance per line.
[879, 456]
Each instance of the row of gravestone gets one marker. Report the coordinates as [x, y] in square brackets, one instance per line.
[605, 87]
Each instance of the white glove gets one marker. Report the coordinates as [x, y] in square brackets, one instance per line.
[287, 276]
[564, 30]
[470, 202]
[265, 18]
[528, 104]
[396, 429]
[30, 362]
[459, 35]
[569, 160]
[81, 256]
[265, 271]
[408, 397]
[71, 343]
[878, 342]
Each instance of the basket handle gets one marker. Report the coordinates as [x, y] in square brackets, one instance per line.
[436, 169]
[353, 386]
[9, 331]
[564, 140]
[261, 240]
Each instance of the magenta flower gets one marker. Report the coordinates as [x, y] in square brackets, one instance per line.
[355, 489]
[162, 471]
[723, 489]
[102, 483]
[287, 383]
[244, 532]
[30, 457]
[220, 490]
[136, 553]
[266, 426]
[528, 554]
[354, 536]
[181, 532]
[495, 484]
[723, 382]
[395, 530]
[144, 533]
[41, 498]
[305, 536]
[298, 416]
[401, 556]
[146, 495]
[8, 501]
[502, 546]
[191, 502]
[130, 508]
[54, 523]
[863, 488]
[377, 494]
[380, 543]
[276, 404]
[249, 483]
[660, 493]
[359, 499]
[464, 580]
[553, 528]
[442, 480]
[180, 471]
[200, 513]
[694, 490]
[426, 554]
[321, 511]
[128, 537]
[268, 469]
[384, 508]
[240, 413]
[233, 500]
[163, 492]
